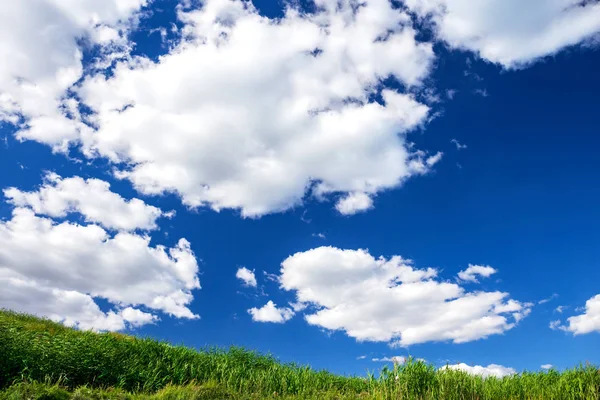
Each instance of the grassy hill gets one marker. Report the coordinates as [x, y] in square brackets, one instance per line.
[40, 359]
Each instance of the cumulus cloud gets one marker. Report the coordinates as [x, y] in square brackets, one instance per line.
[294, 94]
[246, 276]
[587, 322]
[389, 300]
[512, 33]
[74, 264]
[492, 370]
[471, 273]
[354, 203]
[271, 313]
[41, 48]
[547, 366]
[92, 198]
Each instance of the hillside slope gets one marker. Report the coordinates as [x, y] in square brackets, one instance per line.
[37, 350]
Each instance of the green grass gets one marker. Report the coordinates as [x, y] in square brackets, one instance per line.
[40, 359]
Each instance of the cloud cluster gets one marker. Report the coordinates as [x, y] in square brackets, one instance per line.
[41, 45]
[58, 269]
[92, 198]
[512, 33]
[492, 370]
[388, 300]
[295, 95]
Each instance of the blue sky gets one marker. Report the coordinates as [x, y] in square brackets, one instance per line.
[326, 137]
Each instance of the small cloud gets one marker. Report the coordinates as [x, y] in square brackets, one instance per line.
[495, 370]
[547, 366]
[543, 301]
[450, 93]
[354, 203]
[470, 274]
[319, 235]
[431, 96]
[271, 277]
[361, 357]
[271, 313]
[394, 359]
[481, 92]
[459, 146]
[432, 160]
[555, 325]
[297, 307]
[247, 276]
[587, 322]
[304, 219]
[170, 214]
[560, 309]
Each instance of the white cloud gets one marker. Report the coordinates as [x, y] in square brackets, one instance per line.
[72, 264]
[547, 366]
[587, 322]
[271, 313]
[434, 159]
[92, 198]
[560, 309]
[319, 235]
[548, 299]
[555, 325]
[246, 276]
[297, 307]
[70, 307]
[293, 94]
[458, 145]
[271, 277]
[42, 59]
[354, 203]
[389, 300]
[394, 359]
[494, 370]
[470, 274]
[513, 33]
[481, 92]
[361, 357]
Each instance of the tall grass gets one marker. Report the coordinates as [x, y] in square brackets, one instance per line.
[36, 350]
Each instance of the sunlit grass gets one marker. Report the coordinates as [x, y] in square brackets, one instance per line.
[40, 359]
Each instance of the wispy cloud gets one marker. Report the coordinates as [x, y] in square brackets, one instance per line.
[459, 146]
[546, 300]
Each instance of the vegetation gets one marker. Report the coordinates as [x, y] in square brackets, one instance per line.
[40, 359]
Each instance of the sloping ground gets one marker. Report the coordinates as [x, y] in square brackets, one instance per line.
[87, 365]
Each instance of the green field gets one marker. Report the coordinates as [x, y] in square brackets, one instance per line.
[40, 359]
